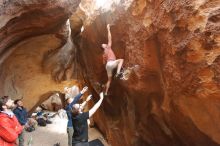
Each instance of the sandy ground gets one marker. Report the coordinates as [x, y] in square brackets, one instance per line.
[54, 133]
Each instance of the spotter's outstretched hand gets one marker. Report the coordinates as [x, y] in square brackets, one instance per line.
[84, 90]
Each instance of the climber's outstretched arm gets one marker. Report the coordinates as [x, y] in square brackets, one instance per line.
[109, 36]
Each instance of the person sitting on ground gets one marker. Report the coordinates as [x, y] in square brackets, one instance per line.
[42, 118]
[70, 102]
[9, 125]
[80, 126]
[110, 61]
[31, 125]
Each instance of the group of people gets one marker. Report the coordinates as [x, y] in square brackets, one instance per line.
[13, 121]
[77, 127]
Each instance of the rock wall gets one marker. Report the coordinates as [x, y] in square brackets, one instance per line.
[173, 97]
[54, 103]
[27, 18]
[36, 50]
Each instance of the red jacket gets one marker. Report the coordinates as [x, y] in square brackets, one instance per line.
[9, 130]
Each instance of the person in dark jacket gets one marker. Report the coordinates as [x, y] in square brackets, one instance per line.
[70, 102]
[80, 126]
[22, 116]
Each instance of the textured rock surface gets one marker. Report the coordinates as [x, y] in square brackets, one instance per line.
[172, 99]
[54, 103]
[26, 18]
[22, 73]
[36, 50]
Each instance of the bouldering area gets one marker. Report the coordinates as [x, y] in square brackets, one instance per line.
[170, 91]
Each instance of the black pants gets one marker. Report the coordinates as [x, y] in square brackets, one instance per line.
[81, 144]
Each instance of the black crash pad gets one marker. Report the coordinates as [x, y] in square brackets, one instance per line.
[96, 142]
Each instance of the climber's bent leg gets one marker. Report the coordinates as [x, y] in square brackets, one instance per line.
[108, 85]
[120, 63]
[110, 66]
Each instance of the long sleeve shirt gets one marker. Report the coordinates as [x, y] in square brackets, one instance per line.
[21, 114]
[9, 129]
[69, 108]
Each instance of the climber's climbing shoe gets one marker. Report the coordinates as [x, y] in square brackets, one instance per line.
[118, 75]
[105, 94]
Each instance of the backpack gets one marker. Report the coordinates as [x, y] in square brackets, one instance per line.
[41, 122]
[30, 129]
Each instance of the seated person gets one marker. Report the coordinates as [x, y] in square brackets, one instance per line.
[42, 118]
